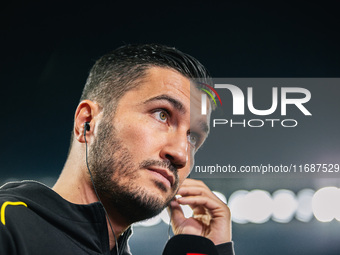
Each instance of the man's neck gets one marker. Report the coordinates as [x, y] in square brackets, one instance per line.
[74, 186]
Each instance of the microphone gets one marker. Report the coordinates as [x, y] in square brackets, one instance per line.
[189, 245]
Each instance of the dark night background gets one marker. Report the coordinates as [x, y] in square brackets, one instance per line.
[48, 48]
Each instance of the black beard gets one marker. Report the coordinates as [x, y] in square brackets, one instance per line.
[109, 161]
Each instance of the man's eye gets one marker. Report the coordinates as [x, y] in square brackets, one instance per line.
[192, 138]
[161, 115]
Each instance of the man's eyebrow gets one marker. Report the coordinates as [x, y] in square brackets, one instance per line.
[174, 102]
[204, 127]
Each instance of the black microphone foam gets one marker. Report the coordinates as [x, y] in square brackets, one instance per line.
[189, 244]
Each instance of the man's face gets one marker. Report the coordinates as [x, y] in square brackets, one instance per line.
[142, 155]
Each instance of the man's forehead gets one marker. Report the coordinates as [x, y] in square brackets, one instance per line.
[167, 77]
[195, 94]
[159, 81]
[197, 119]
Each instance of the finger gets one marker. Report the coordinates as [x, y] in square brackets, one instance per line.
[197, 210]
[177, 215]
[198, 191]
[195, 185]
[216, 209]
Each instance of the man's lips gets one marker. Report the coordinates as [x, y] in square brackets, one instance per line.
[165, 173]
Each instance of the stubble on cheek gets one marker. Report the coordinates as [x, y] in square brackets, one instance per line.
[118, 178]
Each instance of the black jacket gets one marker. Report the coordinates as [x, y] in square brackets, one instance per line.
[36, 220]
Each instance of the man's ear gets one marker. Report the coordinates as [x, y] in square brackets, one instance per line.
[87, 111]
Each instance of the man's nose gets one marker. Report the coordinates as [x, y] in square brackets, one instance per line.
[176, 149]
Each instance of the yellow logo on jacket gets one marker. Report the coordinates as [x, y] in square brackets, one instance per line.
[3, 207]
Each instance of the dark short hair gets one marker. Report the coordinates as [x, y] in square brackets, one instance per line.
[118, 71]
